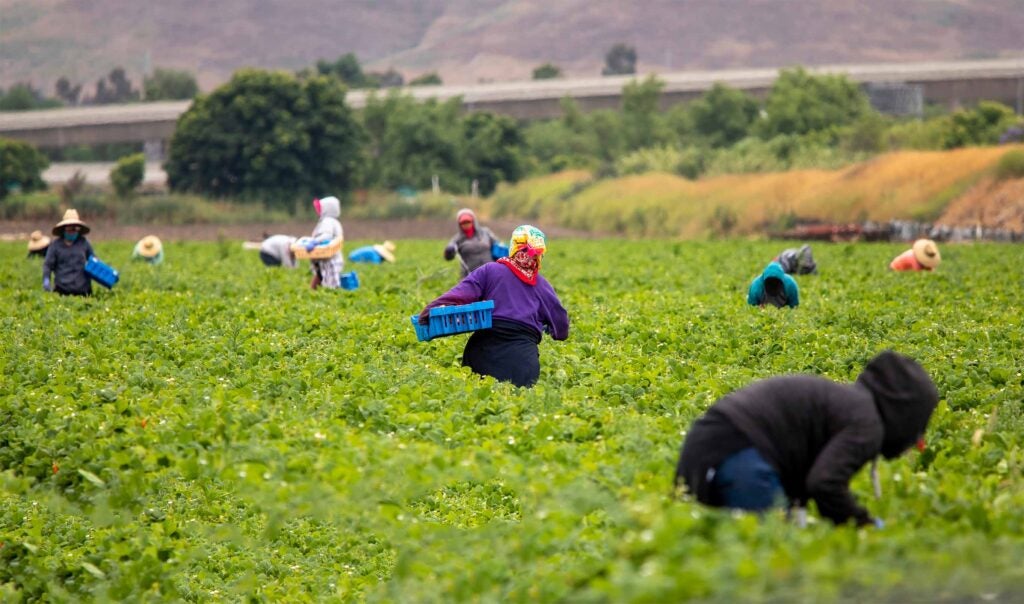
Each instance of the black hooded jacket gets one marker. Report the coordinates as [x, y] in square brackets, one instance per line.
[816, 433]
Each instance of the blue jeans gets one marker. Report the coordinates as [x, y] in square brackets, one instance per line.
[746, 481]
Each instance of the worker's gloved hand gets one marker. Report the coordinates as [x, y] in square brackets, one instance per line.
[46, 284]
[879, 523]
[449, 252]
[425, 316]
[310, 245]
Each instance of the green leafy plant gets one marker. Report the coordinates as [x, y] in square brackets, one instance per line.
[1011, 165]
[21, 167]
[127, 175]
[210, 429]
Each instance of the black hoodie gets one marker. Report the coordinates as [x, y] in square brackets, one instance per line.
[816, 433]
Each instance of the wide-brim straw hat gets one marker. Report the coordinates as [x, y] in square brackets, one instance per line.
[70, 217]
[386, 251]
[927, 253]
[150, 246]
[37, 241]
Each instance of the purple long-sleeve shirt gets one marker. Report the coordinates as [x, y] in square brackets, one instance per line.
[536, 306]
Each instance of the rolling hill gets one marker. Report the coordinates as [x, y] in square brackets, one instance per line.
[469, 41]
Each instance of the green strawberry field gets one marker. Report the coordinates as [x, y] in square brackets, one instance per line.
[212, 430]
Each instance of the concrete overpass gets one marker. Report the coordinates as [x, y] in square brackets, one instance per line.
[948, 83]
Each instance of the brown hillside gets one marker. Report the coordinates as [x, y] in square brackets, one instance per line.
[953, 188]
[467, 41]
[990, 204]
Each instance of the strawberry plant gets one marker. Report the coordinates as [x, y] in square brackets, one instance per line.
[211, 429]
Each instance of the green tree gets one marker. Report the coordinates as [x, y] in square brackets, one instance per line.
[21, 167]
[547, 71]
[267, 136]
[567, 142]
[66, 92]
[619, 60]
[642, 122]
[800, 102]
[723, 116]
[866, 134]
[346, 68]
[979, 126]
[127, 174]
[116, 88]
[410, 142]
[22, 97]
[493, 150]
[385, 79]
[605, 126]
[170, 85]
[427, 79]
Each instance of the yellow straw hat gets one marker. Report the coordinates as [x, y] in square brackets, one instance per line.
[70, 217]
[927, 253]
[386, 251]
[150, 246]
[37, 241]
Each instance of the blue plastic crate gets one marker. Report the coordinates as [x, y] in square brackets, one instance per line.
[450, 320]
[499, 250]
[99, 272]
[349, 280]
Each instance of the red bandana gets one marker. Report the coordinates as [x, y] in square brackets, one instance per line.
[529, 279]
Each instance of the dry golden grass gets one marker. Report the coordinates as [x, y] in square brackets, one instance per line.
[907, 184]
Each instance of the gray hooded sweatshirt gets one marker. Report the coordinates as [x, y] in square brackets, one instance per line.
[329, 227]
[474, 251]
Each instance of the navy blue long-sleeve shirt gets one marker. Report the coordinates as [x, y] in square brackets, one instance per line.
[66, 260]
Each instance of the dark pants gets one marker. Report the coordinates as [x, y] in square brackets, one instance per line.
[507, 352]
[746, 481]
[269, 260]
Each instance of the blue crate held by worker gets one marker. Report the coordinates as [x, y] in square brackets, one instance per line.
[450, 320]
[349, 280]
[499, 250]
[99, 272]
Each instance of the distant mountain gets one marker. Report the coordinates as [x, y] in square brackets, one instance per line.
[469, 41]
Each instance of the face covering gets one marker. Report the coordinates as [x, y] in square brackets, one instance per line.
[70, 236]
[523, 265]
[467, 229]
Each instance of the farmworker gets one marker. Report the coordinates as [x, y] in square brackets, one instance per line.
[472, 244]
[149, 249]
[327, 271]
[525, 306]
[801, 437]
[797, 261]
[374, 254]
[774, 287]
[37, 244]
[276, 250]
[66, 257]
[922, 256]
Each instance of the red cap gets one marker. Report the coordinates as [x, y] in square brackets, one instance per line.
[920, 444]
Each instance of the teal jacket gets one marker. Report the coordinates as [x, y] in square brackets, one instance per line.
[786, 295]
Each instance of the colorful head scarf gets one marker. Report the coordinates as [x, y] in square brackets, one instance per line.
[529, 238]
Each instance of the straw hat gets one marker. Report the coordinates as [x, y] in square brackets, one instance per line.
[70, 217]
[150, 246]
[927, 253]
[37, 241]
[386, 251]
